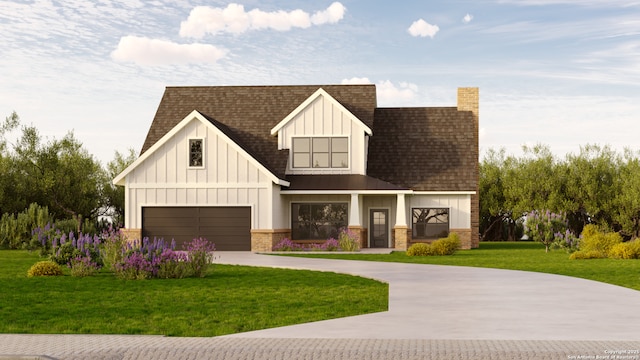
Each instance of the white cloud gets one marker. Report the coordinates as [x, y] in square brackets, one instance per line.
[356, 81]
[333, 14]
[467, 18]
[234, 19]
[388, 93]
[145, 51]
[423, 29]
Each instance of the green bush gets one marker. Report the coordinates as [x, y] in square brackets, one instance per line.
[16, 230]
[628, 250]
[45, 268]
[440, 247]
[594, 240]
[446, 246]
[419, 249]
[586, 254]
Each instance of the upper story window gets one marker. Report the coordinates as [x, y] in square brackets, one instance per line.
[196, 153]
[320, 152]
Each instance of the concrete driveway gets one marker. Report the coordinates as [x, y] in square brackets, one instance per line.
[451, 302]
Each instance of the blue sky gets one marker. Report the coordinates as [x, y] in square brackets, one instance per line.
[563, 73]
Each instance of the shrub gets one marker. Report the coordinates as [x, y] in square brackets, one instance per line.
[82, 266]
[331, 245]
[419, 249]
[287, 245]
[586, 254]
[45, 268]
[446, 246]
[598, 241]
[440, 247]
[16, 231]
[200, 256]
[348, 240]
[147, 259]
[173, 265]
[111, 247]
[134, 266]
[628, 250]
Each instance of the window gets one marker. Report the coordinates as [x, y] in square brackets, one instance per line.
[196, 152]
[317, 221]
[430, 223]
[320, 152]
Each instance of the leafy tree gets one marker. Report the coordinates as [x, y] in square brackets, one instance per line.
[114, 195]
[495, 217]
[627, 201]
[591, 186]
[59, 174]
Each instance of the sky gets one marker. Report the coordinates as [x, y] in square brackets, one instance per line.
[562, 73]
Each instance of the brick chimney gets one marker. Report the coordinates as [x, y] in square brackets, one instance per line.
[469, 100]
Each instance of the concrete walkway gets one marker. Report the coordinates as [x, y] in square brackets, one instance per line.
[435, 312]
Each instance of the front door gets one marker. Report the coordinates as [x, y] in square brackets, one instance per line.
[379, 228]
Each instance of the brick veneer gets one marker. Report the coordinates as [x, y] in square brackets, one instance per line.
[469, 100]
[361, 233]
[401, 237]
[263, 240]
[131, 234]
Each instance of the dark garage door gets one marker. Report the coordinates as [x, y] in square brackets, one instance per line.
[228, 227]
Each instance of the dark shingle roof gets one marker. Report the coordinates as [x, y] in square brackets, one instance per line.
[339, 182]
[425, 149]
[248, 113]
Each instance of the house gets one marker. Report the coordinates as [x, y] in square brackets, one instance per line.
[246, 166]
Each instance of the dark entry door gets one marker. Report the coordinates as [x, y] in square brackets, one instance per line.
[379, 228]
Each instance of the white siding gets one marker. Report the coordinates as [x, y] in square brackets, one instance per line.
[323, 117]
[227, 179]
[379, 202]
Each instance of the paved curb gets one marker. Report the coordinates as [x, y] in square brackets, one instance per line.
[108, 347]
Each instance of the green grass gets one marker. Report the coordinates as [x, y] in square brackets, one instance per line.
[526, 256]
[229, 299]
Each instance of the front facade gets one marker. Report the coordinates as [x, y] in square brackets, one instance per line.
[246, 167]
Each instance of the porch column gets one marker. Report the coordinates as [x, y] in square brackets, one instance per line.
[400, 229]
[354, 211]
[354, 219]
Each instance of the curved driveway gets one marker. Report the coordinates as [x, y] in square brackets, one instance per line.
[452, 302]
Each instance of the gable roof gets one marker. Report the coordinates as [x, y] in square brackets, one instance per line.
[425, 149]
[319, 93]
[247, 114]
[218, 128]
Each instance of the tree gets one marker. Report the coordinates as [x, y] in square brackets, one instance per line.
[592, 184]
[494, 215]
[627, 201]
[545, 227]
[114, 195]
[59, 174]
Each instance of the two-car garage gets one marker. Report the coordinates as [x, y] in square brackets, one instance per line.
[228, 227]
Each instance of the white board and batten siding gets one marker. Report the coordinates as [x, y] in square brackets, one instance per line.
[227, 178]
[326, 118]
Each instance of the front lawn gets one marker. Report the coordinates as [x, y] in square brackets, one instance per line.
[526, 256]
[230, 299]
